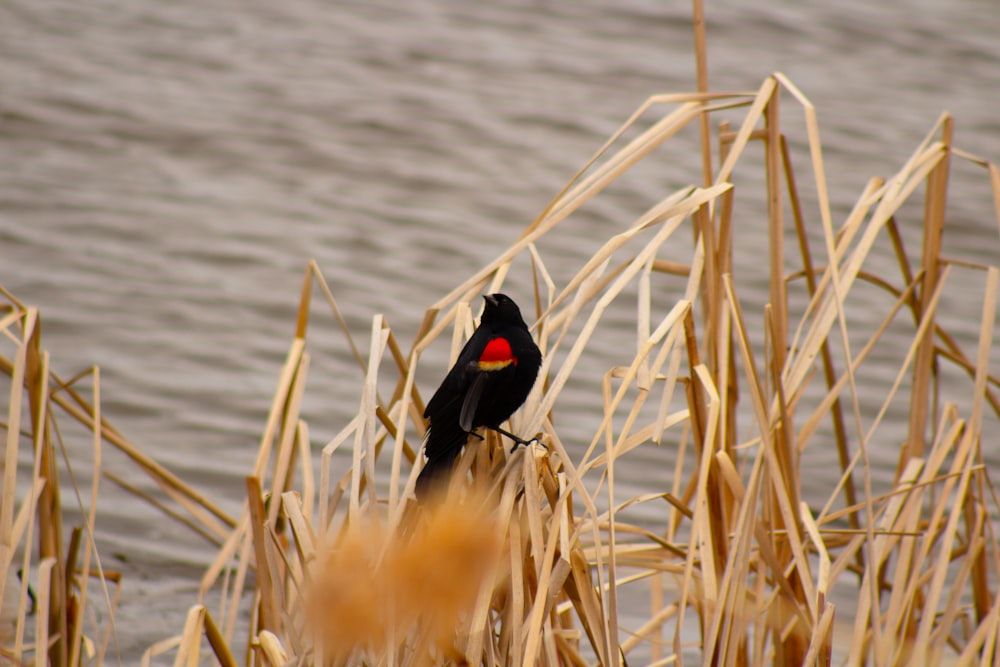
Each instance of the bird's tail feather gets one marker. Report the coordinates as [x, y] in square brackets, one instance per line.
[434, 476]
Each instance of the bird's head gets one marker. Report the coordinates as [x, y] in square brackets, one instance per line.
[500, 308]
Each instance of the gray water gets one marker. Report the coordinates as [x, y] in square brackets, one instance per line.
[167, 169]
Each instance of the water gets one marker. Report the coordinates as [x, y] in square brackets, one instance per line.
[169, 168]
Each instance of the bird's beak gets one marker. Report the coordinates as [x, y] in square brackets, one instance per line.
[490, 299]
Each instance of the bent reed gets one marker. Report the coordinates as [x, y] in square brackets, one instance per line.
[534, 555]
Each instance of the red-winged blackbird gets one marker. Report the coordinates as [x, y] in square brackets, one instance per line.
[493, 375]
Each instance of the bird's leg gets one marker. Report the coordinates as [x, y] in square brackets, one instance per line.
[518, 442]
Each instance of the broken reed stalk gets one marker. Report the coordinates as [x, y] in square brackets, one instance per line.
[60, 582]
[735, 550]
[32, 528]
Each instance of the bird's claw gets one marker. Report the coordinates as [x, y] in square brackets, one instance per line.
[527, 443]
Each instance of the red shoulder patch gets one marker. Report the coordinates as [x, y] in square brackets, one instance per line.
[497, 351]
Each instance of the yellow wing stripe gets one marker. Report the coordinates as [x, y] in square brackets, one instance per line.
[495, 365]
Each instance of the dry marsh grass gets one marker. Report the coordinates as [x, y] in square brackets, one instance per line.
[532, 567]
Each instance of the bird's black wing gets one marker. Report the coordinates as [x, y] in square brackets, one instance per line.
[447, 436]
[471, 402]
[455, 382]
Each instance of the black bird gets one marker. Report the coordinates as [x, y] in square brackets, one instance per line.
[491, 379]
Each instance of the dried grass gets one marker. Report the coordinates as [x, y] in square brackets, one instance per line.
[532, 567]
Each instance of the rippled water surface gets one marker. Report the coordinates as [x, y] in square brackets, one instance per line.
[169, 168]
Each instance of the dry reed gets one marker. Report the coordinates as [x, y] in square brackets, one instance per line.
[737, 567]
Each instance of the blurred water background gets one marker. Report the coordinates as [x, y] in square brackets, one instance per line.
[168, 169]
